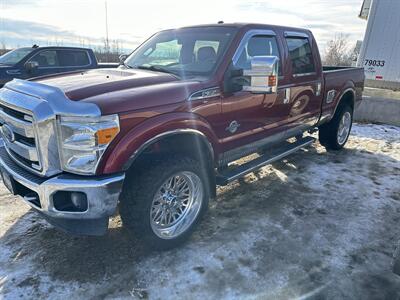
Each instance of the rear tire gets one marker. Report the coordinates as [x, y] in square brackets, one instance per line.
[334, 134]
[163, 203]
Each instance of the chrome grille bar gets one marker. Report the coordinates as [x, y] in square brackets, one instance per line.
[28, 152]
[21, 127]
[20, 141]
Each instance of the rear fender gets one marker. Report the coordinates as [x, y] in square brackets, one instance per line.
[329, 107]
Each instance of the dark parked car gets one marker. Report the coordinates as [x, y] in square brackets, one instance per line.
[158, 134]
[24, 63]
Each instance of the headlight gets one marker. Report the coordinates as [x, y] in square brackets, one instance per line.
[82, 141]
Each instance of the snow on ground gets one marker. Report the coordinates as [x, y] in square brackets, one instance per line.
[316, 225]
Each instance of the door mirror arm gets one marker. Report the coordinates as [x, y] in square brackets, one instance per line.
[234, 80]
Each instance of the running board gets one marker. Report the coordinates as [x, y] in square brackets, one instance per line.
[226, 176]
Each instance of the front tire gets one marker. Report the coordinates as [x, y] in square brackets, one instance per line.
[334, 134]
[164, 203]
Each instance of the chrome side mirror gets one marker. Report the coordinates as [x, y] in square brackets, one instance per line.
[122, 58]
[31, 65]
[263, 75]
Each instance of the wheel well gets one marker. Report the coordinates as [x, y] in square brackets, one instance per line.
[347, 98]
[191, 145]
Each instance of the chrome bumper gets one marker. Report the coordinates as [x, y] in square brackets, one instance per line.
[102, 195]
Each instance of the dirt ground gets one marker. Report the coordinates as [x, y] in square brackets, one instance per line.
[318, 225]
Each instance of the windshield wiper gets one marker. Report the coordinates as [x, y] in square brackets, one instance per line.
[156, 68]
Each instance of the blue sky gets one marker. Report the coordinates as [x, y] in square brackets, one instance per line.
[81, 22]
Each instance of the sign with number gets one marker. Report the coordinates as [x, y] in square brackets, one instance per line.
[374, 63]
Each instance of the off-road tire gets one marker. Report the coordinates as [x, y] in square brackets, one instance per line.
[328, 133]
[140, 187]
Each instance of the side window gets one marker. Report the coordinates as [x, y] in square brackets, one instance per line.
[300, 54]
[73, 58]
[47, 58]
[258, 45]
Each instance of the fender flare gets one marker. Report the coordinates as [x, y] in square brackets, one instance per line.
[165, 134]
[125, 151]
[340, 97]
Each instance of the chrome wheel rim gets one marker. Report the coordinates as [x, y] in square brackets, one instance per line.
[344, 128]
[176, 205]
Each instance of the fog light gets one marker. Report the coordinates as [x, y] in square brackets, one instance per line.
[79, 201]
[70, 201]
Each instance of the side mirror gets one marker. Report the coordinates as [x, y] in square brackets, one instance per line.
[263, 75]
[30, 66]
[122, 58]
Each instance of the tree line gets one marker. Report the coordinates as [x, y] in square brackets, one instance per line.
[107, 52]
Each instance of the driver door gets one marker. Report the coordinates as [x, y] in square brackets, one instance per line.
[47, 61]
[251, 117]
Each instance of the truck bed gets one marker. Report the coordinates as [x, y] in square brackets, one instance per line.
[336, 81]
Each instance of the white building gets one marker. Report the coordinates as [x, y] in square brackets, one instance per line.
[380, 50]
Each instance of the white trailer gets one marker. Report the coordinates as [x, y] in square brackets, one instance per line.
[380, 50]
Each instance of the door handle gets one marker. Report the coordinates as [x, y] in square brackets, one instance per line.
[318, 89]
[286, 100]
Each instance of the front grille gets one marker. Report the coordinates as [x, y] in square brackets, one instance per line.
[5, 157]
[18, 135]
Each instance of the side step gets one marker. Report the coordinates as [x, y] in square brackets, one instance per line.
[226, 176]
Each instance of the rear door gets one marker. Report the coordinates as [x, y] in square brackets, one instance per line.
[305, 87]
[72, 60]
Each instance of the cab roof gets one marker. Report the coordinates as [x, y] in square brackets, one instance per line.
[249, 26]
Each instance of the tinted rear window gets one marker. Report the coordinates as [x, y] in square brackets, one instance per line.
[73, 58]
[300, 55]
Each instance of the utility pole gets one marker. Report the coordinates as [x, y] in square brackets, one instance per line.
[3, 44]
[107, 40]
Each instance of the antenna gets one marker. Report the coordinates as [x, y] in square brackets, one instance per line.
[107, 40]
[2, 23]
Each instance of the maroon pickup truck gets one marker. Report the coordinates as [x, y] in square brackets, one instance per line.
[157, 135]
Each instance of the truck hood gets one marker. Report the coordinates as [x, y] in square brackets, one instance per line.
[122, 90]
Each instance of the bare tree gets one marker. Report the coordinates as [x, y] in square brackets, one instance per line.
[3, 48]
[337, 52]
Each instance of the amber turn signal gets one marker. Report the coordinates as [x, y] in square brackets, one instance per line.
[271, 80]
[105, 136]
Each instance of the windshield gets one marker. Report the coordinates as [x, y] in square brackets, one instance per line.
[14, 56]
[188, 51]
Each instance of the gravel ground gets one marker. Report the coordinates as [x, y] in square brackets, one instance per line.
[317, 225]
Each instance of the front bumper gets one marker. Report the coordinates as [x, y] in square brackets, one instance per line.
[102, 194]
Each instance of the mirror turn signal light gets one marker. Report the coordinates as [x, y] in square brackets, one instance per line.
[271, 80]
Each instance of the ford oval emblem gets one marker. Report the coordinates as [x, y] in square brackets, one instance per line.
[8, 133]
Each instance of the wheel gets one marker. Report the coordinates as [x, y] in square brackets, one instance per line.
[163, 203]
[334, 135]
